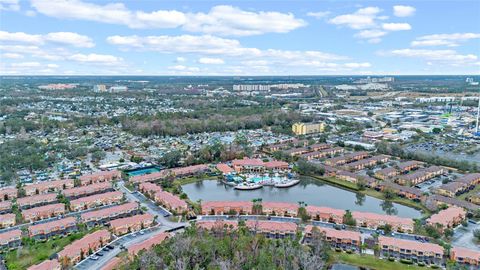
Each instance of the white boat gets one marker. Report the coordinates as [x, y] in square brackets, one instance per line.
[286, 184]
[249, 186]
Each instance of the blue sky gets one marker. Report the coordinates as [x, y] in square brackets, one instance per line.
[84, 37]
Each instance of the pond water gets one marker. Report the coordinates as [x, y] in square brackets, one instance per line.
[312, 192]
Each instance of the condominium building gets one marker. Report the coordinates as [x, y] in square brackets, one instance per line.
[226, 207]
[81, 248]
[307, 128]
[36, 200]
[346, 240]
[92, 189]
[171, 201]
[465, 256]
[282, 209]
[95, 218]
[325, 214]
[427, 253]
[448, 218]
[386, 173]
[48, 186]
[341, 160]
[149, 189]
[189, 170]
[272, 229]
[5, 207]
[408, 166]
[10, 239]
[46, 230]
[420, 176]
[157, 239]
[149, 177]
[7, 220]
[103, 176]
[369, 162]
[131, 224]
[322, 153]
[43, 212]
[8, 193]
[452, 189]
[374, 221]
[96, 200]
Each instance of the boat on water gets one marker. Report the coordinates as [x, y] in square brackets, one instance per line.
[288, 183]
[248, 186]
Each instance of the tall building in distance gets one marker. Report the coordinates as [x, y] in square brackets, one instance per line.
[307, 128]
[100, 88]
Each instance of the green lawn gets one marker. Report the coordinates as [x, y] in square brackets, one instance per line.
[470, 193]
[31, 254]
[369, 261]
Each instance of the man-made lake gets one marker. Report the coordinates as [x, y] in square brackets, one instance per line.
[310, 191]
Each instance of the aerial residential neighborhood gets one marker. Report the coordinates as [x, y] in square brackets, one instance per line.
[238, 135]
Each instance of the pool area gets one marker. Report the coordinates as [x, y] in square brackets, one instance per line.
[143, 171]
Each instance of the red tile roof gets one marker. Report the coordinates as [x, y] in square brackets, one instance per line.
[101, 196]
[137, 219]
[224, 168]
[466, 253]
[315, 210]
[89, 189]
[52, 225]
[172, 200]
[46, 265]
[384, 218]
[447, 216]
[210, 224]
[329, 232]
[247, 162]
[112, 264]
[55, 184]
[45, 208]
[231, 204]
[275, 164]
[411, 245]
[8, 236]
[147, 244]
[271, 226]
[110, 211]
[84, 243]
[36, 199]
[285, 206]
[189, 169]
[102, 175]
[148, 177]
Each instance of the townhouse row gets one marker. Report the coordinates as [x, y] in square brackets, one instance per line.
[460, 185]
[175, 172]
[389, 247]
[325, 214]
[342, 160]
[166, 199]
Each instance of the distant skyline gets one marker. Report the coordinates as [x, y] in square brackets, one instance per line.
[108, 37]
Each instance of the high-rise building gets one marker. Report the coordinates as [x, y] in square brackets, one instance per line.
[307, 128]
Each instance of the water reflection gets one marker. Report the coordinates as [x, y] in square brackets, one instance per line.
[312, 192]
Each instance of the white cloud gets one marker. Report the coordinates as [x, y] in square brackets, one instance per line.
[180, 59]
[221, 20]
[52, 66]
[369, 34]
[228, 20]
[447, 56]
[9, 5]
[403, 11]
[450, 40]
[183, 70]
[26, 64]
[319, 14]
[94, 58]
[69, 38]
[114, 13]
[361, 19]
[12, 55]
[211, 61]
[396, 26]
[20, 37]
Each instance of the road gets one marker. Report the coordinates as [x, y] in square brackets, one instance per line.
[127, 240]
[161, 213]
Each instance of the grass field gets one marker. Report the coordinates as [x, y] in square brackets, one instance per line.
[34, 253]
[369, 261]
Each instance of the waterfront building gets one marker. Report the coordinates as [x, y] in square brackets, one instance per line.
[325, 214]
[226, 207]
[282, 209]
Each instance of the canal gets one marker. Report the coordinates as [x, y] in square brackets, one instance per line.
[310, 191]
